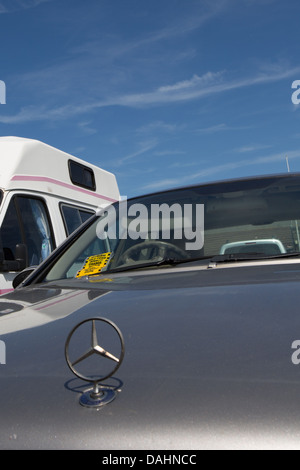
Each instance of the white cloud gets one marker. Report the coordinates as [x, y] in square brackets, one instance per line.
[196, 88]
[207, 11]
[251, 148]
[195, 81]
[86, 128]
[199, 87]
[9, 6]
[216, 170]
[144, 148]
[158, 126]
[166, 153]
[213, 129]
[162, 184]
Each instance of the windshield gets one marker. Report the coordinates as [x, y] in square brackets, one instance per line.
[256, 216]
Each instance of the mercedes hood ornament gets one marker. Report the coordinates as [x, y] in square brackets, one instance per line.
[94, 351]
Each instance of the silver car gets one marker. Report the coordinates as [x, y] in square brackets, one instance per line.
[136, 333]
[269, 247]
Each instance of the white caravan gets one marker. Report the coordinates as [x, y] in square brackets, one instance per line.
[45, 194]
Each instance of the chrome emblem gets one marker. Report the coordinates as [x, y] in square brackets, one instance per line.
[83, 350]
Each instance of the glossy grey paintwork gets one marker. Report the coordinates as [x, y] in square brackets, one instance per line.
[207, 362]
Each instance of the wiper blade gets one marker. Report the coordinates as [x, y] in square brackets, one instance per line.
[150, 264]
[225, 258]
[231, 257]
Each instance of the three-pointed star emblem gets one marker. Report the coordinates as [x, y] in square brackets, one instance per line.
[95, 349]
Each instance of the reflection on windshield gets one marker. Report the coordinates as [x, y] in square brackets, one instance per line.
[259, 215]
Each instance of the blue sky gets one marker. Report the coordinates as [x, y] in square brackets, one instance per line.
[163, 93]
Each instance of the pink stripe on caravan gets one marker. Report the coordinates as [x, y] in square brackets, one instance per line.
[5, 291]
[59, 183]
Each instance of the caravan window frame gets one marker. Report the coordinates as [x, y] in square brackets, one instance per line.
[80, 179]
[77, 208]
[20, 221]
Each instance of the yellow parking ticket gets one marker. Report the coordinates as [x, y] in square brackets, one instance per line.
[94, 264]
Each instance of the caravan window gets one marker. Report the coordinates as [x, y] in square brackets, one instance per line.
[74, 216]
[27, 221]
[82, 175]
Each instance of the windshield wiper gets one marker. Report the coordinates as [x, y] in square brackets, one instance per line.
[150, 264]
[231, 257]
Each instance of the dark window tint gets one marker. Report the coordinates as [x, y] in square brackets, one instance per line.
[74, 216]
[27, 221]
[82, 175]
